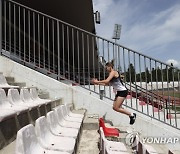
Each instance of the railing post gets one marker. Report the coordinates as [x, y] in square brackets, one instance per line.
[0, 26]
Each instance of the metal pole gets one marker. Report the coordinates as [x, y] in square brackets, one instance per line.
[29, 31]
[163, 93]
[43, 35]
[157, 87]
[58, 48]
[88, 60]
[124, 63]
[34, 38]
[78, 56]
[10, 27]
[39, 48]
[83, 57]
[108, 61]
[130, 79]
[146, 84]
[63, 49]
[93, 46]
[19, 33]
[14, 29]
[140, 77]
[103, 60]
[135, 78]
[49, 68]
[0, 26]
[73, 39]
[174, 100]
[68, 61]
[168, 100]
[4, 25]
[53, 55]
[24, 16]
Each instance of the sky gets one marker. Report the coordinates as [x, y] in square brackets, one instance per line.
[151, 27]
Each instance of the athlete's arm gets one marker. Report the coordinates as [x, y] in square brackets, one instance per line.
[106, 81]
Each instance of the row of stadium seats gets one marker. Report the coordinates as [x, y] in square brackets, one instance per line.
[56, 133]
[16, 103]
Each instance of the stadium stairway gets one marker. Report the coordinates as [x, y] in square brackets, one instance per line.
[80, 99]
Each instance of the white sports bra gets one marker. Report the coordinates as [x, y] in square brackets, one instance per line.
[117, 84]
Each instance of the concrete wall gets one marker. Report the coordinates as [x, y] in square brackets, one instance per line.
[85, 99]
[33, 78]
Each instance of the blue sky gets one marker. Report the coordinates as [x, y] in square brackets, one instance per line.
[148, 26]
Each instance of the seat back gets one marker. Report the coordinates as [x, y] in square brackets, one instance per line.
[59, 114]
[33, 93]
[13, 96]
[102, 141]
[42, 131]
[52, 119]
[64, 111]
[101, 123]
[67, 108]
[2, 79]
[25, 95]
[3, 99]
[26, 141]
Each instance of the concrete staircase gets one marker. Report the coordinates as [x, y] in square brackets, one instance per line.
[11, 81]
[90, 137]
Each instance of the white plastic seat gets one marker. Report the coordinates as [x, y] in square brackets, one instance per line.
[27, 142]
[5, 104]
[148, 149]
[50, 141]
[68, 118]
[14, 99]
[106, 145]
[65, 123]
[73, 114]
[26, 97]
[4, 84]
[109, 151]
[58, 130]
[35, 97]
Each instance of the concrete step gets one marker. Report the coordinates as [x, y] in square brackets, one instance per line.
[89, 137]
[20, 84]
[160, 148]
[10, 79]
[43, 95]
[9, 149]
[91, 122]
[88, 142]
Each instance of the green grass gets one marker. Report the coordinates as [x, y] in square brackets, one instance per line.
[171, 93]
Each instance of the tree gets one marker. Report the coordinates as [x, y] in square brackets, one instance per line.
[153, 74]
[130, 74]
[147, 75]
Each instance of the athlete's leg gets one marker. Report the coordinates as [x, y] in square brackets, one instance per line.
[117, 106]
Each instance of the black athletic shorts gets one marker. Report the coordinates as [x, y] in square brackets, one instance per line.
[121, 94]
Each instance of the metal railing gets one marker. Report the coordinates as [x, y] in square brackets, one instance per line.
[64, 51]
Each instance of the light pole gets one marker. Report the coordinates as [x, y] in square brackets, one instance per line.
[116, 36]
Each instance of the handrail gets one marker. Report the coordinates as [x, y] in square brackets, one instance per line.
[90, 33]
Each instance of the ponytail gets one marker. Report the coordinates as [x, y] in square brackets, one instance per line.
[110, 64]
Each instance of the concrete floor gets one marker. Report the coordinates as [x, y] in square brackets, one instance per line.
[9, 149]
[88, 142]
